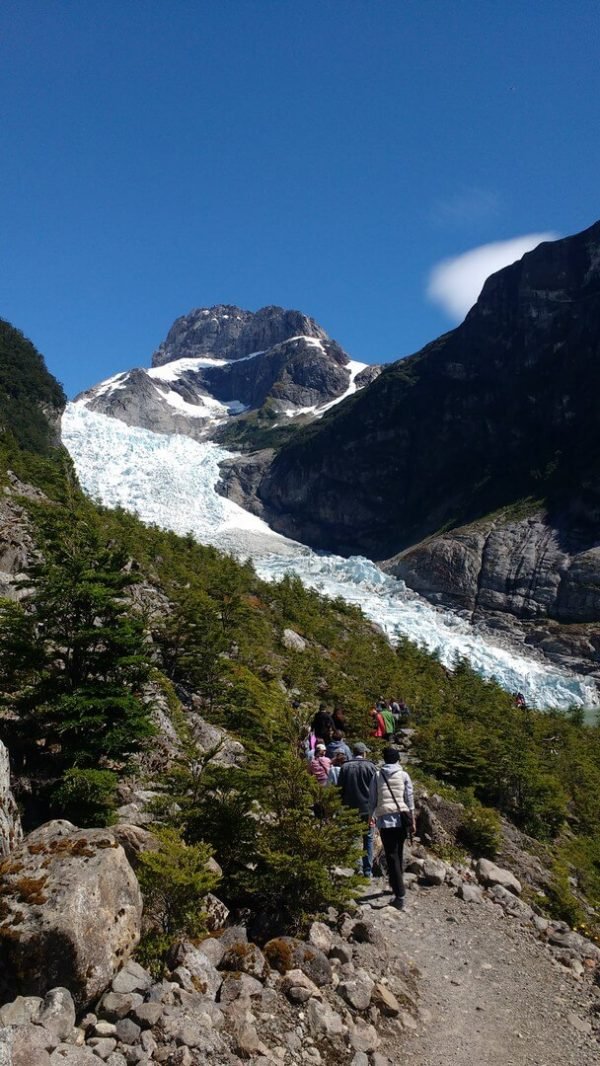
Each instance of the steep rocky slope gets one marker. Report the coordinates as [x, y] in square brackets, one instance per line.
[500, 411]
[219, 363]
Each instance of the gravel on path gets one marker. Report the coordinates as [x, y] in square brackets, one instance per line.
[491, 993]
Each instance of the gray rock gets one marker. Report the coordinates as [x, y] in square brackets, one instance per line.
[234, 934]
[103, 1046]
[248, 1042]
[148, 1042]
[213, 948]
[321, 937]
[362, 931]
[205, 977]
[67, 1055]
[116, 1005]
[490, 874]
[360, 1059]
[79, 917]
[104, 1028]
[579, 1024]
[57, 1013]
[298, 987]
[357, 991]
[323, 1021]
[215, 910]
[363, 1037]
[236, 985]
[127, 1031]
[11, 832]
[512, 904]
[132, 978]
[469, 893]
[433, 872]
[28, 1045]
[21, 1011]
[182, 1056]
[116, 1059]
[384, 999]
[341, 951]
[147, 1014]
[293, 641]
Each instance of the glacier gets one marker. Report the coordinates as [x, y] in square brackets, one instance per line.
[170, 481]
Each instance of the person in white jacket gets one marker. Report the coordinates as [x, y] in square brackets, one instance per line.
[392, 809]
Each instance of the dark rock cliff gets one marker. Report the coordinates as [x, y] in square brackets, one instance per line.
[502, 408]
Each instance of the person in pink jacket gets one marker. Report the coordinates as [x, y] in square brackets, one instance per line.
[320, 765]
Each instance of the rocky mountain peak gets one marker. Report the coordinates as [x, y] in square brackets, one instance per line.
[222, 366]
[229, 332]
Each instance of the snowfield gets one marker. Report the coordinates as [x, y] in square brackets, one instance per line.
[170, 480]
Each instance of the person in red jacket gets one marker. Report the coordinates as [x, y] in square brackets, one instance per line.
[378, 726]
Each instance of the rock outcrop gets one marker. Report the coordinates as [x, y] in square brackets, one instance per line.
[531, 578]
[10, 822]
[526, 567]
[70, 912]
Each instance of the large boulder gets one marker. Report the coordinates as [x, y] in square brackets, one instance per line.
[490, 875]
[10, 823]
[70, 912]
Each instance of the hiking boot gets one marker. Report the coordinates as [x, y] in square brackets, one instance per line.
[398, 903]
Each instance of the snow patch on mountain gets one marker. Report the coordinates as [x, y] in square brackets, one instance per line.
[355, 369]
[169, 480]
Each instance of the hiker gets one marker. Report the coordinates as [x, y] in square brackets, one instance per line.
[378, 726]
[336, 764]
[322, 724]
[307, 744]
[339, 720]
[319, 766]
[337, 744]
[392, 810]
[389, 722]
[404, 711]
[354, 782]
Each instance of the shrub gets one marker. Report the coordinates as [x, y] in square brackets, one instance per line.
[480, 832]
[87, 797]
[174, 880]
[302, 844]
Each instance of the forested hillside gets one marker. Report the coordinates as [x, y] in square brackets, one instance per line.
[123, 634]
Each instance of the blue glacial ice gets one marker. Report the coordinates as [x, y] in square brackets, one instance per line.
[170, 480]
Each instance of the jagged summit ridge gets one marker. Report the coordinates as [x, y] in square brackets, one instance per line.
[221, 363]
[228, 332]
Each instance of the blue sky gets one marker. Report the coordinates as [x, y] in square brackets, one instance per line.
[319, 154]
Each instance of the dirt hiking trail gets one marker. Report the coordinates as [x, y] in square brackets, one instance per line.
[491, 993]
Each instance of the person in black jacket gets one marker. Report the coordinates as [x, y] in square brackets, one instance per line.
[354, 783]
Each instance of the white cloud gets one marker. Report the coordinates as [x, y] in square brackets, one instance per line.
[455, 283]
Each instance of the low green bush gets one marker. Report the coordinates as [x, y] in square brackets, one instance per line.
[174, 879]
[480, 832]
[87, 797]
